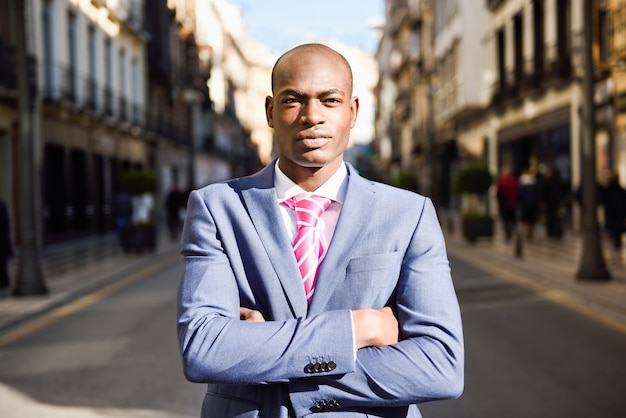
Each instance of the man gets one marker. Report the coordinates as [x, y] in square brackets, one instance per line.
[380, 331]
[6, 249]
[613, 198]
[506, 191]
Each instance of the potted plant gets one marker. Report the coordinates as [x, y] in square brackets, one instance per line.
[472, 183]
[140, 233]
[406, 180]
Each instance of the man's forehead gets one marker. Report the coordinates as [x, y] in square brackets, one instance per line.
[311, 74]
[314, 63]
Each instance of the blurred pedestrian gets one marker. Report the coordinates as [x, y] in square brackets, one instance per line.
[506, 193]
[553, 202]
[6, 249]
[529, 201]
[614, 203]
[123, 206]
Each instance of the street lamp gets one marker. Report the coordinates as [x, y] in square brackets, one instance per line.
[592, 266]
[29, 279]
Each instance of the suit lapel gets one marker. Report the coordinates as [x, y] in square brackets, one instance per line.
[259, 196]
[356, 208]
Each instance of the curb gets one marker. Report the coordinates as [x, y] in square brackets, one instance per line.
[16, 310]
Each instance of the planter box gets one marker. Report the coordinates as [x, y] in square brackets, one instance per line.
[139, 238]
[478, 227]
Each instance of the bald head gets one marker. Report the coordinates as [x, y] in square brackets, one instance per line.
[308, 50]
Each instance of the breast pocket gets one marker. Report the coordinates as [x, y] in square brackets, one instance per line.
[371, 280]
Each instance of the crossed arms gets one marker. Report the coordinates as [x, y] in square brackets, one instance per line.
[372, 327]
[408, 353]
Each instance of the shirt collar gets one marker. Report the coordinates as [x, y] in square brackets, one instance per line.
[334, 188]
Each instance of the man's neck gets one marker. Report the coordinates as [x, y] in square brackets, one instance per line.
[309, 178]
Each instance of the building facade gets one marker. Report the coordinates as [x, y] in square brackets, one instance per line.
[114, 86]
[85, 114]
[504, 87]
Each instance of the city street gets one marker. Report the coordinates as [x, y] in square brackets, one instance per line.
[116, 357]
[113, 353]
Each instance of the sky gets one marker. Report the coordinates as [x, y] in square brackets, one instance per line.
[281, 24]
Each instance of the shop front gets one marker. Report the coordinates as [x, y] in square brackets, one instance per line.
[82, 167]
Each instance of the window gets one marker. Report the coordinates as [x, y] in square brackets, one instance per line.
[90, 93]
[72, 70]
[500, 48]
[48, 39]
[519, 48]
[108, 77]
[136, 80]
[122, 83]
[539, 47]
[603, 35]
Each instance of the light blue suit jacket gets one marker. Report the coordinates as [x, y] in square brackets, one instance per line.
[388, 249]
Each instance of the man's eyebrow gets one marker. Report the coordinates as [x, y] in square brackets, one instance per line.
[292, 92]
[298, 93]
[330, 92]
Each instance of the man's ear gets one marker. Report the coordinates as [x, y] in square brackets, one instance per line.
[354, 109]
[269, 106]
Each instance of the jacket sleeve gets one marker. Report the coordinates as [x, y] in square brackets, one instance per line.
[218, 347]
[428, 362]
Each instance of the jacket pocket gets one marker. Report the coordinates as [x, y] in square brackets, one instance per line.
[375, 262]
[218, 405]
[370, 281]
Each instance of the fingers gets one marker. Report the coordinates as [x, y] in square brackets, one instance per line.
[375, 327]
[246, 314]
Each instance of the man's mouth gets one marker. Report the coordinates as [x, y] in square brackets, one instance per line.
[314, 141]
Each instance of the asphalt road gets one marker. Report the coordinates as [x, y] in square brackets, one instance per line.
[527, 356]
[113, 354]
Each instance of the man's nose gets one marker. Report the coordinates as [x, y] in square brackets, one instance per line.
[312, 113]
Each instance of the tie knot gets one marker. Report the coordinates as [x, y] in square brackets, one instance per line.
[309, 207]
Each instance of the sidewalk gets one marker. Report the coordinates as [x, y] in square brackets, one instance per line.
[549, 267]
[75, 268]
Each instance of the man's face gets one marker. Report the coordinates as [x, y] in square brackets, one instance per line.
[312, 111]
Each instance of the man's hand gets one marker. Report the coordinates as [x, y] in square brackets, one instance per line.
[246, 314]
[375, 327]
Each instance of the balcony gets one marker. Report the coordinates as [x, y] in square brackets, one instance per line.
[562, 67]
[63, 89]
[68, 85]
[122, 109]
[108, 102]
[90, 99]
[135, 116]
[8, 76]
[8, 71]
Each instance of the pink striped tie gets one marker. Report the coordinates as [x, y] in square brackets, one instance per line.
[306, 245]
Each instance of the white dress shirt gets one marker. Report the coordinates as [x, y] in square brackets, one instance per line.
[334, 188]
